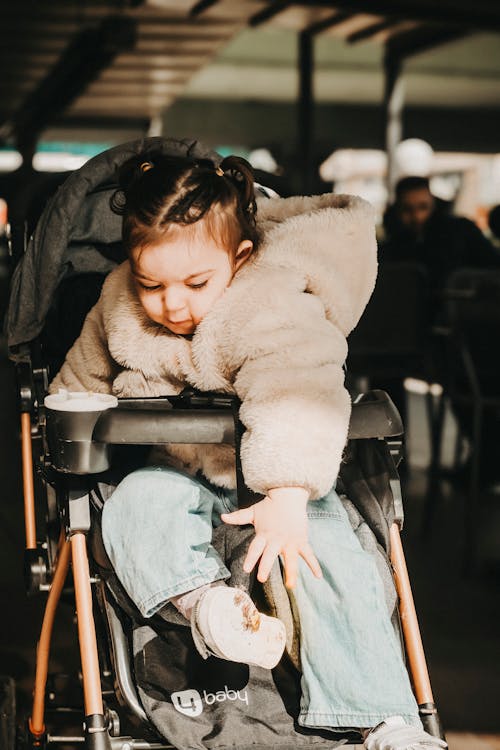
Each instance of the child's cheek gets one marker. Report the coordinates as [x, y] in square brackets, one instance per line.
[151, 307]
[200, 307]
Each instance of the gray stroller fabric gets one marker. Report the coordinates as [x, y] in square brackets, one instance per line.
[77, 233]
[197, 703]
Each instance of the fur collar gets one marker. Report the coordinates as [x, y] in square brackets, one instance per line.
[313, 244]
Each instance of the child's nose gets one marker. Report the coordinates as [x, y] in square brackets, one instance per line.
[173, 299]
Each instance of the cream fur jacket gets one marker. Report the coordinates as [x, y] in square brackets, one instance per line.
[276, 338]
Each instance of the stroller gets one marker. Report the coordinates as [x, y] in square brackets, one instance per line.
[133, 673]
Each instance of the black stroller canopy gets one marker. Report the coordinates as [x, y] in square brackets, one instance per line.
[77, 233]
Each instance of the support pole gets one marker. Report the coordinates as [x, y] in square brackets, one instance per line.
[393, 106]
[305, 110]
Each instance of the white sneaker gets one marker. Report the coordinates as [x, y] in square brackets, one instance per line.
[226, 623]
[395, 734]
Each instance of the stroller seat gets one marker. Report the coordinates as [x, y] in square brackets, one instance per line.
[76, 451]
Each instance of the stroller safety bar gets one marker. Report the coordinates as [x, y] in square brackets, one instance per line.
[180, 426]
[80, 441]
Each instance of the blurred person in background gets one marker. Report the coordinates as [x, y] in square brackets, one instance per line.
[420, 228]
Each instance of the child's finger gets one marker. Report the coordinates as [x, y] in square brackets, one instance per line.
[291, 563]
[308, 555]
[255, 550]
[238, 517]
[269, 555]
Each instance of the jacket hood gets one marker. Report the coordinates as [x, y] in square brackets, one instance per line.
[330, 241]
[324, 245]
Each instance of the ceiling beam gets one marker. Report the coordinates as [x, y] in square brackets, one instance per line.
[201, 6]
[370, 31]
[10, 91]
[57, 24]
[464, 16]
[88, 53]
[166, 55]
[267, 13]
[105, 121]
[327, 23]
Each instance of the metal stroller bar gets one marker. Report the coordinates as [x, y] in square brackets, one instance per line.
[119, 647]
[36, 722]
[409, 621]
[79, 441]
[86, 632]
[413, 640]
[28, 483]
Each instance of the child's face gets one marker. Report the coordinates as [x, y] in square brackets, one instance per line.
[179, 280]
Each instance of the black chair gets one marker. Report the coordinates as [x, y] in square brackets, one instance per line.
[472, 384]
[391, 336]
[394, 340]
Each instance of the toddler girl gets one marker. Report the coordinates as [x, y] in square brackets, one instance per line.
[212, 299]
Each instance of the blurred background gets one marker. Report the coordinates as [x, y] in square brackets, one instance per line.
[394, 100]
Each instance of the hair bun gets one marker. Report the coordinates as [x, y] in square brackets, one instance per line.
[240, 172]
[129, 176]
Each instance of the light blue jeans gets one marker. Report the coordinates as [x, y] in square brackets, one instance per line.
[157, 530]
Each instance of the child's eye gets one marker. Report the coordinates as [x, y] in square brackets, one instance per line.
[198, 286]
[150, 288]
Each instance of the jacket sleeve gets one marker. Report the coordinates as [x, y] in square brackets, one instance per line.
[294, 405]
[88, 365]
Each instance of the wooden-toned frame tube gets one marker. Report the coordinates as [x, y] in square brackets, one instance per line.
[36, 722]
[409, 621]
[86, 628]
[28, 483]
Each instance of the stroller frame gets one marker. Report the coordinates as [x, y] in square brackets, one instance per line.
[73, 447]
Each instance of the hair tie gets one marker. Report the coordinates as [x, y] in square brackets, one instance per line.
[219, 171]
[146, 166]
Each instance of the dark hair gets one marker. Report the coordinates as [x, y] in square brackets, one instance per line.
[159, 192]
[411, 183]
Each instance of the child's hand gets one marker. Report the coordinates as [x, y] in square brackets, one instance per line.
[280, 522]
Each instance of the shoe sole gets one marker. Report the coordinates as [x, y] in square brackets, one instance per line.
[236, 631]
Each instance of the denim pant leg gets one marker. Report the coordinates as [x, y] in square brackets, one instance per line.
[157, 531]
[353, 671]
